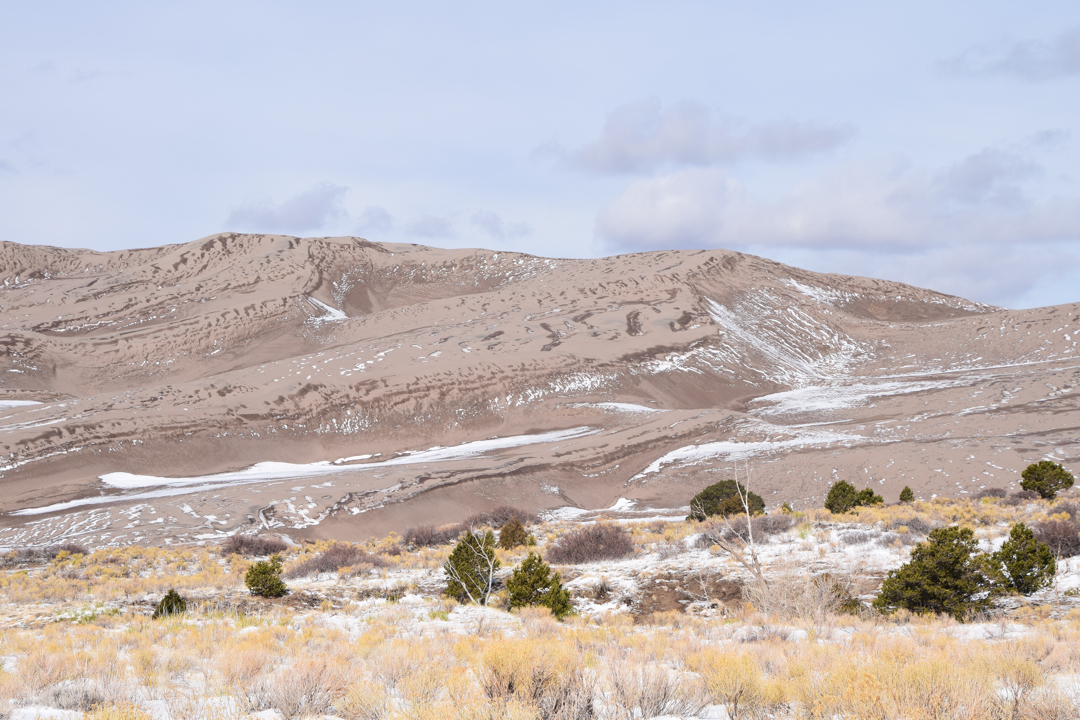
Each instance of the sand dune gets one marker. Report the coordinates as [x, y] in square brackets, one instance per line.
[188, 391]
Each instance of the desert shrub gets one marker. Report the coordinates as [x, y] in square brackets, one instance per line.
[667, 550]
[906, 495]
[306, 688]
[81, 694]
[990, 493]
[943, 576]
[254, 545]
[264, 578]
[1061, 536]
[171, 604]
[857, 537]
[512, 534]
[544, 680]
[118, 711]
[1025, 564]
[769, 525]
[1023, 496]
[591, 544]
[470, 569]
[888, 539]
[336, 557]
[499, 517]
[640, 690]
[763, 527]
[43, 554]
[431, 536]
[723, 499]
[1069, 508]
[798, 595]
[364, 700]
[843, 497]
[532, 583]
[1046, 478]
[733, 680]
[914, 524]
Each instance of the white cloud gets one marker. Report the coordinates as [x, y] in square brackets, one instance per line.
[972, 218]
[990, 176]
[430, 226]
[644, 136]
[1028, 59]
[683, 209]
[374, 219]
[497, 228]
[307, 211]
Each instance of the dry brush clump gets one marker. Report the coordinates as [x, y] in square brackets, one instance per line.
[738, 528]
[638, 688]
[337, 557]
[424, 536]
[35, 555]
[257, 545]
[592, 543]
[431, 536]
[498, 517]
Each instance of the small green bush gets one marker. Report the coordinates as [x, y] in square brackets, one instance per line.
[722, 499]
[513, 534]
[264, 578]
[1023, 563]
[906, 495]
[944, 575]
[843, 497]
[867, 496]
[533, 583]
[470, 569]
[1046, 478]
[171, 604]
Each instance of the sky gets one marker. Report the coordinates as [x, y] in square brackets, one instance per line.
[932, 143]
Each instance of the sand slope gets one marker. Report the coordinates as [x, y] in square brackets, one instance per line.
[325, 386]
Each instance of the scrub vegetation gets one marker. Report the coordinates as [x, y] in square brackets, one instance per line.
[378, 630]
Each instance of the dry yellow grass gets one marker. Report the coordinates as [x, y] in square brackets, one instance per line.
[366, 661]
[384, 670]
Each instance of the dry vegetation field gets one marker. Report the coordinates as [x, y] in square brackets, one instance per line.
[677, 628]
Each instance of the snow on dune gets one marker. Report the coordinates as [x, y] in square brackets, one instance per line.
[620, 407]
[820, 398]
[732, 450]
[257, 472]
[272, 471]
[329, 314]
[279, 470]
[16, 403]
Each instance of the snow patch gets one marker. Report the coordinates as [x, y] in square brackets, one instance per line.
[732, 450]
[329, 314]
[620, 407]
[17, 403]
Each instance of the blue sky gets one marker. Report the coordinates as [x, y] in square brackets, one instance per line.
[932, 143]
